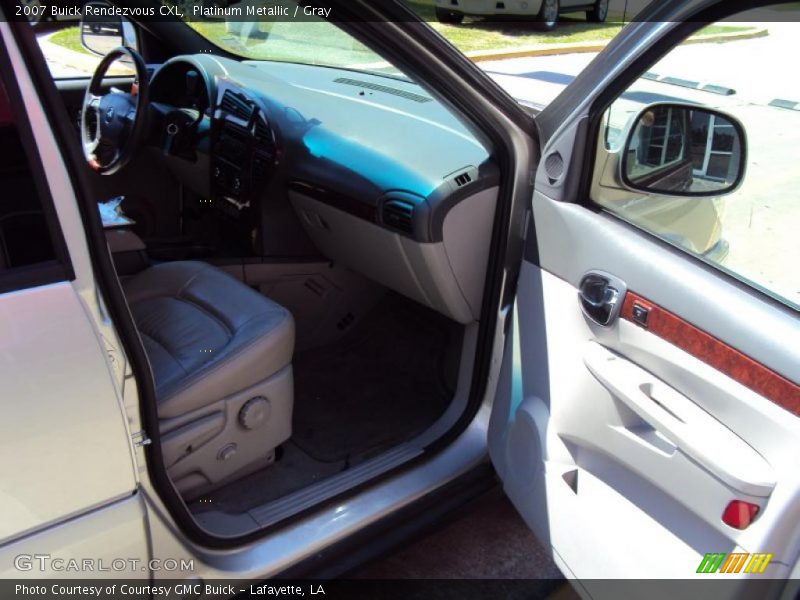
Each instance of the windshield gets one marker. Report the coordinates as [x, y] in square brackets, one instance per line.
[311, 41]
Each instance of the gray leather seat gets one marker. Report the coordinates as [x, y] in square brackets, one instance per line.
[221, 357]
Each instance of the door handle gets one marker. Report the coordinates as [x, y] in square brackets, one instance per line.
[600, 296]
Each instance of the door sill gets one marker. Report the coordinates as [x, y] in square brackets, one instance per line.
[227, 525]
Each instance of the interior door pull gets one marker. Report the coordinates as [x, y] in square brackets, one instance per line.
[601, 297]
[685, 424]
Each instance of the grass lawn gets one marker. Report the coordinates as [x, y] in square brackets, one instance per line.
[479, 34]
[483, 35]
[69, 38]
[290, 41]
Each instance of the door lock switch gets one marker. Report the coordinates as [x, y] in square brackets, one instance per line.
[640, 315]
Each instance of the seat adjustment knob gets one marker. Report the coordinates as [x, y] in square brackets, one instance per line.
[255, 413]
[227, 452]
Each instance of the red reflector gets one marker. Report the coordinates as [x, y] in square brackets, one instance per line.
[739, 514]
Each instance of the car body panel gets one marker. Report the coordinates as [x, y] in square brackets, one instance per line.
[52, 387]
[516, 8]
[113, 539]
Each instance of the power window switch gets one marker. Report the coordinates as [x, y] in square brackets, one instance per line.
[640, 314]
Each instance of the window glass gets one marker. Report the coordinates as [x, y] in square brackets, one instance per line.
[73, 49]
[750, 233]
[309, 40]
[24, 235]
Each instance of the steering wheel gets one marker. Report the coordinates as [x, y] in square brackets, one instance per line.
[113, 125]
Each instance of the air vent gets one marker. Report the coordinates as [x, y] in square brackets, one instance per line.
[263, 134]
[384, 88]
[463, 179]
[399, 215]
[236, 105]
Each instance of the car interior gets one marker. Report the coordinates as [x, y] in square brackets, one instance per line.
[303, 249]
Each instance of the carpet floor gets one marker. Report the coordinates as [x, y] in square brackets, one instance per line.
[381, 384]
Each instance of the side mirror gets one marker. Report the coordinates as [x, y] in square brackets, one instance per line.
[102, 30]
[684, 150]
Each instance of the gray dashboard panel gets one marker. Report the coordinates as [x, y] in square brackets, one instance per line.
[353, 143]
[361, 135]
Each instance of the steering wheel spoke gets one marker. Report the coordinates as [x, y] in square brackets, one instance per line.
[90, 147]
[115, 155]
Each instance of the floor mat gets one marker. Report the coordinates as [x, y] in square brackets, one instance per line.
[381, 384]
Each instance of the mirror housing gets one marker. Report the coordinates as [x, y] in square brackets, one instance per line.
[676, 149]
[102, 31]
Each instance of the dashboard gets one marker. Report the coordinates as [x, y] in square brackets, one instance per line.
[380, 175]
[212, 123]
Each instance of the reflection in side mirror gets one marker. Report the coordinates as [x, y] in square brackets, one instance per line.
[102, 31]
[684, 150]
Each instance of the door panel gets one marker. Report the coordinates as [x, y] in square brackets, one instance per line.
[61, 418]
[628, 438]
[664, 424]
[103, 537]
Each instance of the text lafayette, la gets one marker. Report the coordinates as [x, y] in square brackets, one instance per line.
[164, 591]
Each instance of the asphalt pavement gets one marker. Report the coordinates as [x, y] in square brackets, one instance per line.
[740, 64]
[488, 540]
[757, 220]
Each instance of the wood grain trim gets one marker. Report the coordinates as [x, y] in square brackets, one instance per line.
[715, 353]
[348, 204]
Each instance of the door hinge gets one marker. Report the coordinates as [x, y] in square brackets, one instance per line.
[140, 439]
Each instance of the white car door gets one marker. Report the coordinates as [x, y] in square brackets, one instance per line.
[69, 479]
[665, 443]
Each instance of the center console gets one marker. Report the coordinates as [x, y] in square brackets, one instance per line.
[244, 150]
[128, 251]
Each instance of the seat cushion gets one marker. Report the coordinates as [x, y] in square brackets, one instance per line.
[206, 334]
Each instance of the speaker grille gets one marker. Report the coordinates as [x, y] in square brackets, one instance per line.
[554, 166]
